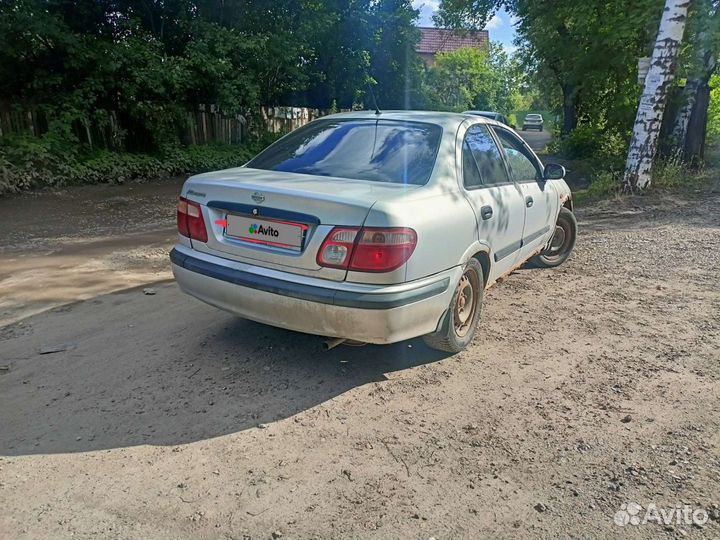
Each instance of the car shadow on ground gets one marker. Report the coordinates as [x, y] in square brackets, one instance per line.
[168, 370]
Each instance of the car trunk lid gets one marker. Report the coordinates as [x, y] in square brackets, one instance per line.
[279, 219]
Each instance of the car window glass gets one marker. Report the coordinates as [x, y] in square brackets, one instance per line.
[480, 150]
[522, 166]
[365, 149]
[471, 175]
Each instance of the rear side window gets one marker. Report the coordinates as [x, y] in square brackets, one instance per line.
[363, 149]
[482, 161]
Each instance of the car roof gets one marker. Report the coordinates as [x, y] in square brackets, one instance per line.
[494, 113]
[533, 114]
[447, 120]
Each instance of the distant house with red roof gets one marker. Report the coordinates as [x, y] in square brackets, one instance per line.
[437, 40]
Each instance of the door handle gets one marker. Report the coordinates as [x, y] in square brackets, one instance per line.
[529, 201]
[486, 212]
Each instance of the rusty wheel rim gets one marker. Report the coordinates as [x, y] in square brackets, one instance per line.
[558, 240]
[559, 243]
[465, 303]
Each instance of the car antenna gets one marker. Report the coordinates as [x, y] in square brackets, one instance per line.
[372, 94]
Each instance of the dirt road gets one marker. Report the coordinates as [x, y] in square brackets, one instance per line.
[60, 247]
[590, 386]
[537, 140]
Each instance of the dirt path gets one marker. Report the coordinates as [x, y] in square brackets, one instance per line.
[537, 140]
[591, 386]
[60, 247]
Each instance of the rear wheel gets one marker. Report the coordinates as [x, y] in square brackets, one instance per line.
[461, 320]
[562, 242]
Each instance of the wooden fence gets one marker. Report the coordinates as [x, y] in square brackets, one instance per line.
[15, 120]
[207, 124]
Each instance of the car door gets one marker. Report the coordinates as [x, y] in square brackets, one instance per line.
[496, 200]
[540, 199]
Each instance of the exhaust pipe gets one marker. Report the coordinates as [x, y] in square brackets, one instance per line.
[331, 343]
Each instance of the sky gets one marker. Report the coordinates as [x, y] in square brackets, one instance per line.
[500, 26]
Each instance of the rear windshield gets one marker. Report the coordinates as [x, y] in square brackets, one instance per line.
[364, 149]
[533, 117]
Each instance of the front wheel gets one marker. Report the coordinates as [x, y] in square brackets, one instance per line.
[562, 242]
[461, 320]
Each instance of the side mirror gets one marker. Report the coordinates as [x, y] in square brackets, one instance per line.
[553, 171]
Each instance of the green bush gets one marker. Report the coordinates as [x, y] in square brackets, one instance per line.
[29, 163]
[605, 148]
[713, 126]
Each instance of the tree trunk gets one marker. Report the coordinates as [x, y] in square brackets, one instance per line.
[703, 68]
[682, 118]
[648, 121]
[570, 94]
[694, 148]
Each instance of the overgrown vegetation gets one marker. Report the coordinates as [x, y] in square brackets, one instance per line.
[151, 62]
[27, 163]
[143, 65]
[582, 57]
[605, 149]
[713, 127]
[131, 70]
[671, 175]
[488, 80]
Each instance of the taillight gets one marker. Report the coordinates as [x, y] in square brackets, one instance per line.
[337, 247]
[382, 250]
[190, 220]
[370, 249]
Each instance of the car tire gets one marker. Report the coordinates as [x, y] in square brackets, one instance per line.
[562, 243]
[460, 324]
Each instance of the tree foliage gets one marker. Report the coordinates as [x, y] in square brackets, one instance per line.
[713, 132]
[150, 61]
[474, 79]
[582, 57]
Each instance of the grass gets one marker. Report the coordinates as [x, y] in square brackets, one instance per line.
[668, 176]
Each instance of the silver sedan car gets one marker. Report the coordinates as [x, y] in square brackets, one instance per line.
[533, 121]
[373, 227]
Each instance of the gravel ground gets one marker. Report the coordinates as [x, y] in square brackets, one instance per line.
[591, 386]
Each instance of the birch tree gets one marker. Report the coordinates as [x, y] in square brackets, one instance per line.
[643, 146]
[705, 43]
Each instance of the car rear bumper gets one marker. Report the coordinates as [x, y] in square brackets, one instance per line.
[371, 313]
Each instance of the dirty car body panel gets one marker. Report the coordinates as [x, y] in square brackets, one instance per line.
[358, 225]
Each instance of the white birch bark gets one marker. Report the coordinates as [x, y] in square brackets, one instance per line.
[682, 120]
[643, 145]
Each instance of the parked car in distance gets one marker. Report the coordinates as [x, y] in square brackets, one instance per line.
[533, 121]
[373, 227]
[493, 116]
